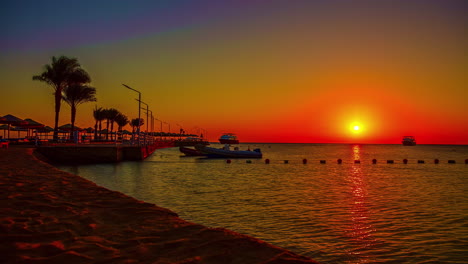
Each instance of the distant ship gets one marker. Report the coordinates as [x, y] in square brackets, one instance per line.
[408, 141]
[228, 138]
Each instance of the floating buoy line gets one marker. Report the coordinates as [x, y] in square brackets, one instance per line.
[373, 161]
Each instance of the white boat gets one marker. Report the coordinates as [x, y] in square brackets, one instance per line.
[408, 141]
[226, 152]
[228, 138]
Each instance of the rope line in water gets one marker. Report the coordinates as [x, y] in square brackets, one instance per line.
[374, 161]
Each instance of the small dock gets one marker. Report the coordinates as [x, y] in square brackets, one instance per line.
[99, 153]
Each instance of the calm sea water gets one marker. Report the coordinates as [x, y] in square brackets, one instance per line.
[333, 213]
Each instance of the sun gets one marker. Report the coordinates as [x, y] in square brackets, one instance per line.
[356, 128]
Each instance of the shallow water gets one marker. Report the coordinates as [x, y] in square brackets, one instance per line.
[333, 213]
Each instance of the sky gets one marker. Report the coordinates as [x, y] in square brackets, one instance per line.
[323, 71]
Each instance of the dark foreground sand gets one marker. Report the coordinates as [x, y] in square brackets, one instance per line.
[50, 216]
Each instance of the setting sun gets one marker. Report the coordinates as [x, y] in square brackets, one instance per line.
[356, 128]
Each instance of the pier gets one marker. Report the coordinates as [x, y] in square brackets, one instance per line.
[99, 153]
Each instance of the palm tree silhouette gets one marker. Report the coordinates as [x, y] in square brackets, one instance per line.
[98, 116]
[136, 123]
[110, 114]
[75, 95]
[121, 121]
[62, 72]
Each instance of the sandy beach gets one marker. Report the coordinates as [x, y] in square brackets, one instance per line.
[50, 216]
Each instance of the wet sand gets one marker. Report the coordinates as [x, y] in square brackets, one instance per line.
[50, 216]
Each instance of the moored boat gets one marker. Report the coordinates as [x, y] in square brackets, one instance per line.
[408, 141]
[190, 141]
[226, 152]
[191, 151]
[228, 138]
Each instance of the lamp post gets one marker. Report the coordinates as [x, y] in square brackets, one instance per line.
[147, 121]
[180, 131]
[160, 131]
[147, 109]
[169, 127]
[152, 123]
[139, 106]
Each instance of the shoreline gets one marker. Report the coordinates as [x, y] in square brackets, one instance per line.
[51, 216]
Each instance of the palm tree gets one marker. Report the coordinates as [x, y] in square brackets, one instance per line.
[62, 72]
[136, 123]
[98, 116]
[105, 114]
[121, 121]
[75, 95]
[110, 114]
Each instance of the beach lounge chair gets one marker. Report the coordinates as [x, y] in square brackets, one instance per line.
[4, 143]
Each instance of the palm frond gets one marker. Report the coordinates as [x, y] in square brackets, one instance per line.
[77, 94]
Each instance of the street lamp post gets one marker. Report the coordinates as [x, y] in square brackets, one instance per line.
[180, 131]
[139, 106]
[169, 128]
[152, 123]
[147, 110]
[160, 131]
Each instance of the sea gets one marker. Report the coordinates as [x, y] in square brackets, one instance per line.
[305, 201]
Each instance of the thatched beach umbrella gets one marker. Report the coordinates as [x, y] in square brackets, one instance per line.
[68, 127]
[89, 130]
[31, 124]
[65, 129]
[45, 130]
[12, 120]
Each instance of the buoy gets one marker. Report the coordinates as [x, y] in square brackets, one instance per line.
[436, 161]
[248, 161]
[357, 162]
[374, 161]
[420, 161]
[405, 161]
[323, 161]
[339, 161]
[304, 161]
[228, 161]
[390, 161]
[286, 161]
[451, 161]
[267, 161]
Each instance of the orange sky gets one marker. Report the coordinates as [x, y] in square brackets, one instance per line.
[305, 71]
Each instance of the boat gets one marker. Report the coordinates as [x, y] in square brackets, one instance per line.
[226, 152]
[408, 141]
[228, 138]
[190, 141]
[191, 151]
